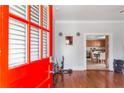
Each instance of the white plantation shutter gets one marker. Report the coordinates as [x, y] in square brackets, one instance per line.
[34, 43]
[19, 10]
[35, 14]
[45, 44]
[45, 17]
[17, 42]
[18, 35]
[45, 34]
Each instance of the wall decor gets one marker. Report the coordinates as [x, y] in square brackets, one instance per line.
[69, 40]
[60, 34]
[78, 33]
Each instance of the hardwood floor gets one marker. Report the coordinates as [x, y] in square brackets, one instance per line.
[89, 79]
[96, 66]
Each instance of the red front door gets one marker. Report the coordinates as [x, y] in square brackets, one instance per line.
[26, 45]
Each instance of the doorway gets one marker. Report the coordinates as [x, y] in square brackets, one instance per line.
[97, 51]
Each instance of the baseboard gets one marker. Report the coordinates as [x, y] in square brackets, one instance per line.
[78, 68]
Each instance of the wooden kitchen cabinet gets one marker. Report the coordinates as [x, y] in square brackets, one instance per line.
[95, 43]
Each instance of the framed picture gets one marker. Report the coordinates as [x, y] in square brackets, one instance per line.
[69, 40]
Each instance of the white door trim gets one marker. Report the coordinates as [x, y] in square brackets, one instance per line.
[110, 59]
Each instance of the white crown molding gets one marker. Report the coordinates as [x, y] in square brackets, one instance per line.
[88, 21]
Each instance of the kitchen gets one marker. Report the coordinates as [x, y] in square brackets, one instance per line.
[97, 51]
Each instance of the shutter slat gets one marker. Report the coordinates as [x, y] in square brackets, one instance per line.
[19, 10]
[35, 14]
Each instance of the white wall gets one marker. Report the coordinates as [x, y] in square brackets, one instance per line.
[74, 55]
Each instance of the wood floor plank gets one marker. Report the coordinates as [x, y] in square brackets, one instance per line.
[89, 79]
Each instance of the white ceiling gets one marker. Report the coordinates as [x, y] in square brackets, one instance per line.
[88, 12]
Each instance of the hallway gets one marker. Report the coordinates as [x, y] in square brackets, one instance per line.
[90, 79]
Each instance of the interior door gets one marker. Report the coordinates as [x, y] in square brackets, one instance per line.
[26, 46]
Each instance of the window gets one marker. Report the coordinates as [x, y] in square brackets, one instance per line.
[17, 42]
[34, 43]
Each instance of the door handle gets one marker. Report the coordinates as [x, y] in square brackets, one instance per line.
[51, 72]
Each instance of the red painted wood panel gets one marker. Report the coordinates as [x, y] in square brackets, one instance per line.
[30, 75]
[51, 27]
[3, 45]
[41, 24]
[28, 34]
[51, 38]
